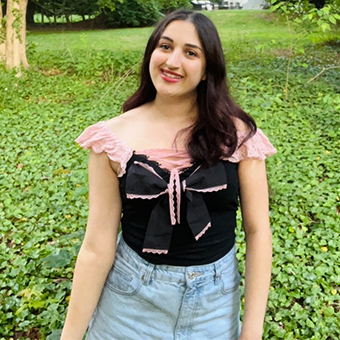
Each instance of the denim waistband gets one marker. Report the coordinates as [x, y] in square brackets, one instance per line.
[190, 275]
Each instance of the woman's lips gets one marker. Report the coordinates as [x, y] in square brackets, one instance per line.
[170, 76]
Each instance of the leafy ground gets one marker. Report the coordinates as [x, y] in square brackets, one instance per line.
[79, 78]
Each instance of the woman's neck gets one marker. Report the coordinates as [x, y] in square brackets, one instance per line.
[176, 111]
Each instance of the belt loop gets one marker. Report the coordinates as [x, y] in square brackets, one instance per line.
[217, 276]
[146, 276]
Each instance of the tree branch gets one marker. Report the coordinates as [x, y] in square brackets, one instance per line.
[324, 69]
[43, 7]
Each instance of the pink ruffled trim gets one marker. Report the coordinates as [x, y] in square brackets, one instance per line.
[258, 147]
[146, 197]
[203, 231]
[212, 189]
[100, 138]
[154, 251]
[148, 167]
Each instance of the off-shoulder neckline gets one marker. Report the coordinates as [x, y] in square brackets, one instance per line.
[164, 150]
[101, 138]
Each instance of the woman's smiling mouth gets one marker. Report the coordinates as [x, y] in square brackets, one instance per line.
[170, 76]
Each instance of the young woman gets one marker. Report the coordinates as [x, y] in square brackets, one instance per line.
[171, 170]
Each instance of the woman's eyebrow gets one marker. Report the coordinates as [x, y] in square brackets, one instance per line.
[193, 46]
[187, 44]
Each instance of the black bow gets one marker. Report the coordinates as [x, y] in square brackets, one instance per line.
[145, 183]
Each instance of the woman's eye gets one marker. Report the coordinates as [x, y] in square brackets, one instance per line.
[192, 54]
[164, 46]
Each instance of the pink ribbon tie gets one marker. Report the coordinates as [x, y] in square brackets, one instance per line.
[174, 187]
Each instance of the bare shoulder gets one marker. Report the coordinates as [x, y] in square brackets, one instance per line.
[240, 125]
[129, 126]
[127, 121]
[121, 122]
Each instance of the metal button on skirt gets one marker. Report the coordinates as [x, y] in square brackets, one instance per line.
[144, 301]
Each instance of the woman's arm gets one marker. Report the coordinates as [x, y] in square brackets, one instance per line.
[97, 252]
[255, 215]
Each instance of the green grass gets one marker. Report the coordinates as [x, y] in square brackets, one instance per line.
[236, 26]
[113, 40]
[75, 80]
[240, 31]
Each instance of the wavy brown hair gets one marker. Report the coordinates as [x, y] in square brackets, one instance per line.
[214, 134]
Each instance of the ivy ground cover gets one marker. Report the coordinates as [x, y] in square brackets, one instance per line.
[43, 208]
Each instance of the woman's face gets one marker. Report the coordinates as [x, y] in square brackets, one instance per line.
[177, 65]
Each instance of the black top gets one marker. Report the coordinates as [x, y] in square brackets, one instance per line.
[207, 220]
[171, 213]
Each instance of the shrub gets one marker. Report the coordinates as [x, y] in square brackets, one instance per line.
[167, 6]
[133, 13]
[310, 16]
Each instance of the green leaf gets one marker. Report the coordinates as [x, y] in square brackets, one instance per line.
[332, 19]
[55, 335]
[325, 27]
[329, 311]
[62, 259]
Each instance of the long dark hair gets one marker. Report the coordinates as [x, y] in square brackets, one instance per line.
[214, 134]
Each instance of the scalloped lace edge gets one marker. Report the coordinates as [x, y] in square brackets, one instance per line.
[212, 189]
[155, 251]
[203, 231]
[146, 197]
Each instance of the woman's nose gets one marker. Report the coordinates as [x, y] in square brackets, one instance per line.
[174, 60]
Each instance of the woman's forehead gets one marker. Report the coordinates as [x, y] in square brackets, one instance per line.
[182, 31]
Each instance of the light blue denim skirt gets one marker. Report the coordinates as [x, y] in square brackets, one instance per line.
[143, 301]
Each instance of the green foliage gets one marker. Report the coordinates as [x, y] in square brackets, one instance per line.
[324, 19]
[106, 64]
[43, 191]
[62, 7]
[133, 13]
[110, 4]
[167, 6]
[85, 8]
[68, 7]
[305, 15]
[119, 13]
[305, 198]
[43, 173]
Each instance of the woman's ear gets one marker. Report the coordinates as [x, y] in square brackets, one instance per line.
[204, 77]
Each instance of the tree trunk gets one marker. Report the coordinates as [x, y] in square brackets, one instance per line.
[16, 34]
[23, 56]
[67, 17]
[30, 13]
[2, 36]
